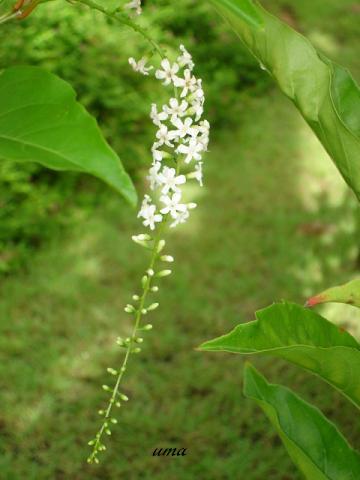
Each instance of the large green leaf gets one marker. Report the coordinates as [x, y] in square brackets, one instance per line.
[41, 121]
[314, 444]
[302, 337]
[325, 93]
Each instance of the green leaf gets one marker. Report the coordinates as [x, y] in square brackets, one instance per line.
[300, 336]
[41, 121]
[325, 94]
[314, 443]
[348, 293]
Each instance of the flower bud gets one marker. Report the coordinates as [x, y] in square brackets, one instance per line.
[142, 239]
[113, 420]
[150, 272]
[112, 371]
[129, 308]
[136, 350]
[123, 397]
[148, 327]
[108, 431]
[139, 340]
[153, 306]
[106, 388]
[163, 273]
[144, 281]
[160, 246]
[136, 297]
[144, 311]
[167, 258]
[155, 288]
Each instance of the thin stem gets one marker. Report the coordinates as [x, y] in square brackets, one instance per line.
[130, 345]
[121, 19]
[9, 16]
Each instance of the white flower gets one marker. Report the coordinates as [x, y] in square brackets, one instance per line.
[192, 151]
[180, 218]
[153, 176]
[156, 117]
[169, 180]
[134, 5]
[164, 136]
[183, 127]
[202, 132]
[168, 72]
[185, 59]
[176, 109]
[158, 155]
[148, 213]
[140, 66]
[188, 83]
[172, 204]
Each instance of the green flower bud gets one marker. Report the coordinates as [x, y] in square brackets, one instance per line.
[144, 281]
[167, 258]
[163, 273]
[148, 326]
[153, 306]
[155, 288]
[112, 371]
[129, 308]
[160, 246]
[123, 397]
[136, 297]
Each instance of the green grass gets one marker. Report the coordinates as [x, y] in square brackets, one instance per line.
[275, 221]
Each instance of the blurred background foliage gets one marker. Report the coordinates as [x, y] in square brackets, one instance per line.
[275, 220]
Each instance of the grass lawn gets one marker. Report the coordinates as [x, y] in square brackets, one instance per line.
[275, 221]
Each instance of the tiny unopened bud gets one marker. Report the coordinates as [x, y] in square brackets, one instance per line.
[123, 397]
[144, 311]
[148, 327]
[106, 388]
[160, 246]
[113, 420]
[136, 297]
[139, 340]
[108, 431]
[129, 308]
[167, 258]
[191, 205]
[136, 350]
[144, 281]
[150, 272]
[155, 288]
[123, 369]
[142, 239]
[118, 404]
[112, 371]
[101, 412]
[96, 460]
[153, 306]
[91, 442]
[120, 341]
[163, 273]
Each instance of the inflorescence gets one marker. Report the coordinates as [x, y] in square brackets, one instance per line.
[181, 139]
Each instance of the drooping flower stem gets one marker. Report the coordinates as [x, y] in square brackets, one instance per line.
[129, 344]
[124, 20]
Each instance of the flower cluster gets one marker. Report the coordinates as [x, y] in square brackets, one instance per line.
[181, 139]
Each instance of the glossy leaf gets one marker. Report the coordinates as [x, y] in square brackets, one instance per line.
[314, 444]
[348, 293]
[41, 121]
[301, 336]
[325, 93]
